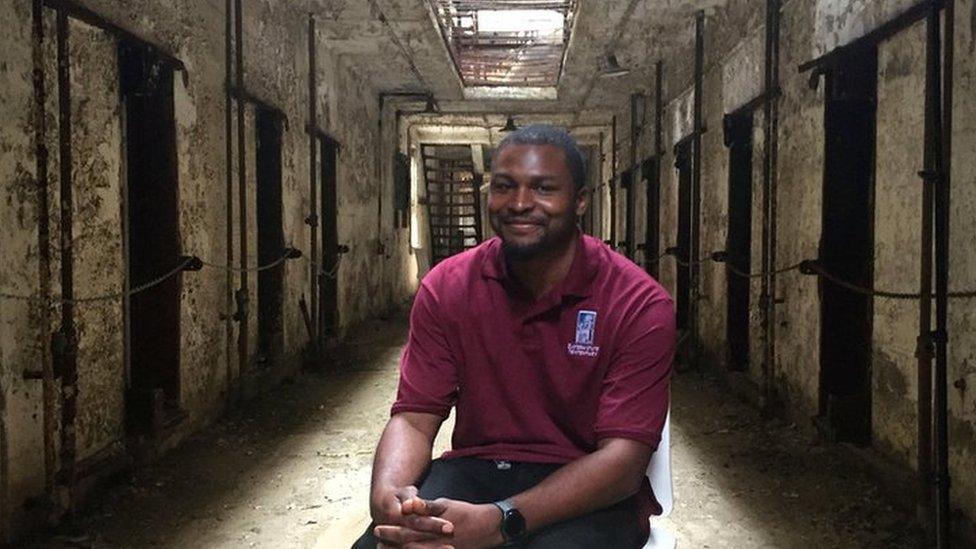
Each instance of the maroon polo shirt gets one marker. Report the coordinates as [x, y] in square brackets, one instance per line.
[539, 380]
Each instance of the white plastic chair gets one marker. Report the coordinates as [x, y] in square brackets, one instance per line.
[659, 475]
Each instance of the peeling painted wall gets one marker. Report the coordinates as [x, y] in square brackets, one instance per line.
[276, 70]
[810, 29]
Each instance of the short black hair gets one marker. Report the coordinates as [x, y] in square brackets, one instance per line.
[545, 134]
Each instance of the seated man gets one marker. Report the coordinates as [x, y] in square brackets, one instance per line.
[556, 354]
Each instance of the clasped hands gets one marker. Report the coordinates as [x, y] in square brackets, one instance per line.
[404, 520]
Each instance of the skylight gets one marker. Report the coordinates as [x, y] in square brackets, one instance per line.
[507, 42]
[547, 22]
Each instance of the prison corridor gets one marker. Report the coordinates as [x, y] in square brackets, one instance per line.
[292, 469]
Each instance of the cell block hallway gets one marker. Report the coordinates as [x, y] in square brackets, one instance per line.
[216, 218]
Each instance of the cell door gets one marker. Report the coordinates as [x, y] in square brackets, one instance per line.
[652, 233]
[739, 238]
[683, 297]
[271, 237]
[152, 217]
[328, 282]
[847, 247]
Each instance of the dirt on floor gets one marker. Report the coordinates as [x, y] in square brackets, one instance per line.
[292, 470]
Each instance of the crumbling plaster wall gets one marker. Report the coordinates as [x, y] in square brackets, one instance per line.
[798, 199]
[20, 399]
[799, 202]
[962, 266]
[898, 199]
[276, 70]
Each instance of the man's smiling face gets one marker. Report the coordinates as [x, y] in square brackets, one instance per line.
[533, 203]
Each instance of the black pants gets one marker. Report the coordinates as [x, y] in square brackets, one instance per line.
[486, 481]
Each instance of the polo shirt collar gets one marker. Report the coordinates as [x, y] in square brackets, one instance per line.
[578, 280]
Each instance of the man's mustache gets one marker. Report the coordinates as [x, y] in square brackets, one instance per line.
[516, 220]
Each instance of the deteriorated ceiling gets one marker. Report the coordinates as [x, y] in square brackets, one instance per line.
[401, 45]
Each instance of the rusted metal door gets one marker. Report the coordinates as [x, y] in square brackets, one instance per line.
[154, 241]
[739, 238]
[847, 247]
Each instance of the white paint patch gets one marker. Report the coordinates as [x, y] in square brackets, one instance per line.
[742, 75]
[840, 22]
[684, 116]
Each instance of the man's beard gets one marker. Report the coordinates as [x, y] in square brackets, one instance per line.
[557, 231]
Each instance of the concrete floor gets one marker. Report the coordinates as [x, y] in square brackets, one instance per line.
[293, 471]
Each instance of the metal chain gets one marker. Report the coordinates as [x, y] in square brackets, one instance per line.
[57, 300]
[332, 273]
[140, 288]
[257, 269]
[656, 259]
[692, 263]
[736, 271]
[881, 293]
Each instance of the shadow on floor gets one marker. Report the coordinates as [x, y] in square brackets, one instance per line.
[291, 469]
[270, 474]
[742, 481]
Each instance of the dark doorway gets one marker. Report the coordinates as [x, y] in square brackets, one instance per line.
[738, 247]
[652, 234]
[847, 247]
[271, 236]
[682, 153]
[152, 219]
[328, 284]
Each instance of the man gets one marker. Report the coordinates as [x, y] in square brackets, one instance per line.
[555, 353]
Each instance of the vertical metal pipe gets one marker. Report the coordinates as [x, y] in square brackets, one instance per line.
[651, 258]
[229, 193]
[380, 182]
[696, 173]
[598, 228]
[243, 301]
[942, 198]
[925, 347]
[770, 159]
[930, 177]
[68, 335]
[630, 233]
[313, 219]
[613, 183]
[43, 261]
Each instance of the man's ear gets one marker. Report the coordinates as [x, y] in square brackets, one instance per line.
[582, 201]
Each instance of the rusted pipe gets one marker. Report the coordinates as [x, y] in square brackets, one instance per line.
[696, 173]
[313, 219]
[613, 183]
[652, 244]
[941, 164]
[67, 336]
[925, 348]
[630, 214]
[770, 160]
[49, 391]
[229, 195]
[242, 295]
[380, 181]
[598, 191]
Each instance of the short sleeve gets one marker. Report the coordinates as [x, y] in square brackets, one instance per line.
[636, 388]
[428, 370]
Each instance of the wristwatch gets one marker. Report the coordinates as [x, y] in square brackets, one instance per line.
[513, 524]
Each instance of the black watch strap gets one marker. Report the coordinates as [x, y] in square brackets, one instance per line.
[513, 524]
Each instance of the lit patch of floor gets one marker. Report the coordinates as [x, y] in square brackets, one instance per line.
[293, 471]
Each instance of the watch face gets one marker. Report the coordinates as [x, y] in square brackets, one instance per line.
[513, 524]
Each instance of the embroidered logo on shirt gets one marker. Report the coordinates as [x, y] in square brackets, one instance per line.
[585, 332]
